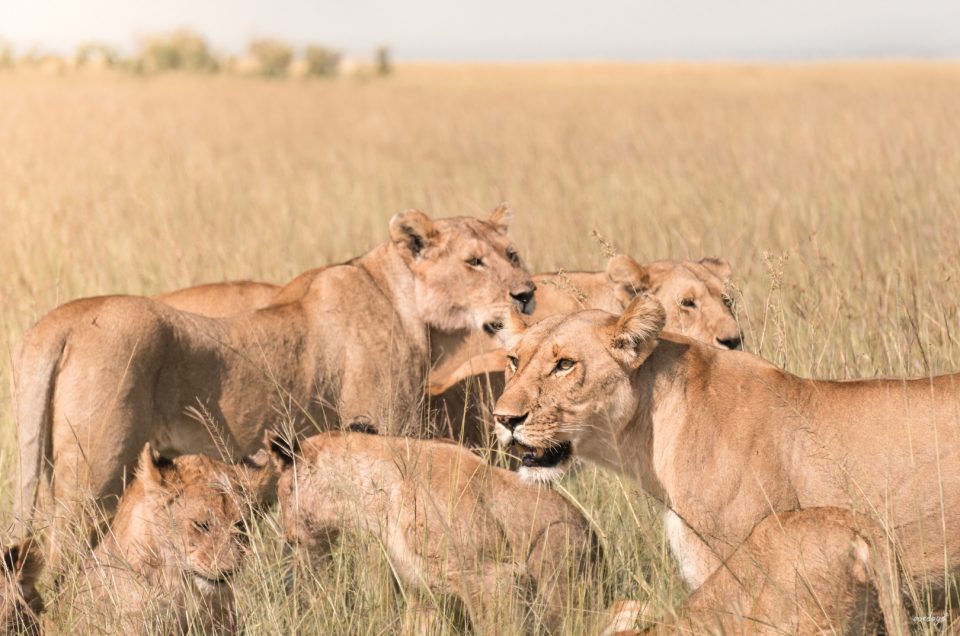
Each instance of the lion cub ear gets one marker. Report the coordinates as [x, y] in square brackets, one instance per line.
[412, 232]
[258, 475]
[150, 469]
[636, 332]
[283, 449]
[501, 217]
[718, 267]
[629, 278]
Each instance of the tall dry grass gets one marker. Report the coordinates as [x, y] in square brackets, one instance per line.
[834, 190]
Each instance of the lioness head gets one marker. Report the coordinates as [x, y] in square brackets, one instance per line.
[198, 510]
[20, 603]
[692, 294]
[568, 377]
[464, 268]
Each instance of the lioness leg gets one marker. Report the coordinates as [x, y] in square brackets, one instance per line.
[91, 465]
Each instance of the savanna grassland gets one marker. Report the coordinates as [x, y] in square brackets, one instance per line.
[833, 190]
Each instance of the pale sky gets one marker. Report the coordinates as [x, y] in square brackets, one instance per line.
[515, 29]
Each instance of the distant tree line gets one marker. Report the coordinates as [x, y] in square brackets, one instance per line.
[187, 51]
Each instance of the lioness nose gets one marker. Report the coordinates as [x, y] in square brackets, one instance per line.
[730, 343]
[524, 298]
[510, 422]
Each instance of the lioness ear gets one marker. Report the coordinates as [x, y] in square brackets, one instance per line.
[412, 232]
[283, 449]
[718, 267]
[150, 469]
[629, 278]
[636, 332]
[501, 217]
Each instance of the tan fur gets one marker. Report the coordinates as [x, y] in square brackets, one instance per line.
[723, 438]
[472, 370]
[221, 300]
[178, 537]
[20, 602]
[449, 522]
[97, 378]
[671, 282]
[813, 571]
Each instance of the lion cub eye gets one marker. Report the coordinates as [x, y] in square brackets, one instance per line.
[688, 303]
[513, 256]
[513, 362]
[475, 262]
[201, 526]
[564, 364]
[727, 300]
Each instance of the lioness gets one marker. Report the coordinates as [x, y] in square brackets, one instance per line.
[178, 538]
[97, 378]
[20, 602]
[813, 571]
[723, 438]
[693, 292]
[449, 522]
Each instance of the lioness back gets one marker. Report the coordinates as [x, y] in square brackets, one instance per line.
[219, 300]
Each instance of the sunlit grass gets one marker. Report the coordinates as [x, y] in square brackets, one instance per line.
[833, 190]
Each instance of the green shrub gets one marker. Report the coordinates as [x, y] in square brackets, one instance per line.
[181, 50]
[321, 60]
[274, 56]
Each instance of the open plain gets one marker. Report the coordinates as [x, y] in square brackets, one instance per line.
[833, 190]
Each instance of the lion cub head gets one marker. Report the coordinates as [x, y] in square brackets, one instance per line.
[570, 376]
[20, 603]
[197, 511]
[692, 293]
[465, 269]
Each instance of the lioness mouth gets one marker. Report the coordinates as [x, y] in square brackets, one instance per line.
[543, 457]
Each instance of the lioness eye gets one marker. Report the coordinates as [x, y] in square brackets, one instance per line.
[727, 300]
[564, 364]
[201, 526]
[475, 262]
[513, 362]
[688, 303]
[513, 256]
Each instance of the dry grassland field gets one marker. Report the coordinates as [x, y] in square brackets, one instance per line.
[833, 190]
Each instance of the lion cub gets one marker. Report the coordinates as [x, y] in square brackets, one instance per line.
[178, 537]
[449, 523]
[812, 571]
[20, 603]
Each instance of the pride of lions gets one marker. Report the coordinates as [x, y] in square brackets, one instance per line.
[157, 430]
